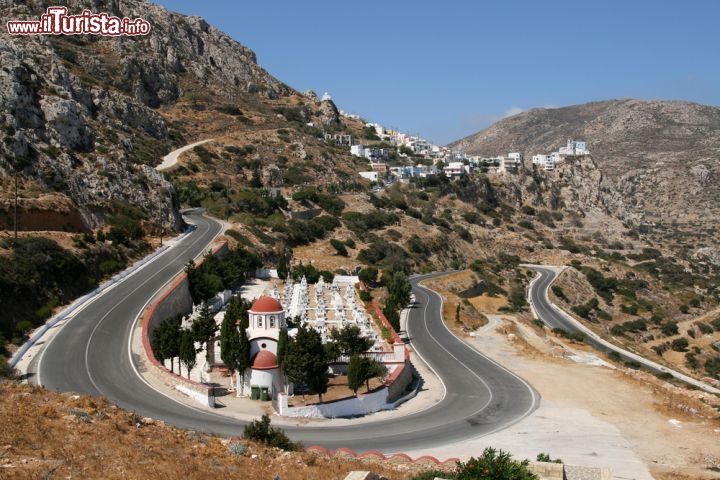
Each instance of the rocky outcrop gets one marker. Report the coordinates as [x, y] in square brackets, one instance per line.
[328, 113]
[78, 114]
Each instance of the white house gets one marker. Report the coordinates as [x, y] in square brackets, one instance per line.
[374, 153]
[547, 162]
[574, 147]
[357, 150]
[516, 157]
[510, 163]
[455, 169]
[372, 176]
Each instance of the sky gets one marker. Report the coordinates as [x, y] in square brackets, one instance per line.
[444, 69]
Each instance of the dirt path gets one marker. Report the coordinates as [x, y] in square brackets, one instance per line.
[171, 159]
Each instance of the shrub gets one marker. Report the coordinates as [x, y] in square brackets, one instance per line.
[339, 247]
[704, 328]
[712, 366]
[669, 328]
[229, 109]
[496, 465]
[527, 224]
[558, 291]
[662, 348]
[545, 457]
[635, 365]
[716, 324]
[261, 431]
[237, 448]
[680, 344]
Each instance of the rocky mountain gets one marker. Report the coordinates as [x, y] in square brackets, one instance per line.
[80, 116]
[658, 161]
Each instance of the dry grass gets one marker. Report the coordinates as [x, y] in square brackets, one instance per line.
[337, 389]
[488, 304]
[449, 286]
[51, 435]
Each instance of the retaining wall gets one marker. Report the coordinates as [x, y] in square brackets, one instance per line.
[176, 299]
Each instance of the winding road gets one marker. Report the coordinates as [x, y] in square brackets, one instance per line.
[91, 355]
[556, 318]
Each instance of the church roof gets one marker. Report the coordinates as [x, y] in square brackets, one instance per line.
[264, 360]
[266, 305]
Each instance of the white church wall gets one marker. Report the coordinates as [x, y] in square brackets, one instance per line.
[200, 396]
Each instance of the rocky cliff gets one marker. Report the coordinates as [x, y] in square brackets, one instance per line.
[657, 161]
[79, 116]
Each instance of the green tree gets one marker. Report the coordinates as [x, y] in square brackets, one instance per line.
[306, 362]
[362, 370]
[494, 465]
[243, 356]
[5, 370]
[282, 347]
[187, 351]
[204, 329]
[339, 247]
[165, 340]
[349, 340]
[229, 344]
[236, 315]
[399, 289]
[392, 313]
[368, 276]
[355, 374]
[374, 369]
[517, 301]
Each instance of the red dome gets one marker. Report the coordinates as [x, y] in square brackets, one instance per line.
[264, 360]
[266, 305]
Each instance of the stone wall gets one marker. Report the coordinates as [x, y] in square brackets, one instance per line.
[399, 382]
[175, 299]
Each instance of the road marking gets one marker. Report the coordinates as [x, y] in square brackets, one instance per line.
[534, 395]
[134, 326]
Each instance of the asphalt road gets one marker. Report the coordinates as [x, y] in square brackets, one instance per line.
[538, 295]
[90, 354]
[552, 318]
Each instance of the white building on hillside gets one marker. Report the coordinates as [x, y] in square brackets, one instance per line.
[455, 169]
[574, 147]
[511, 163]
[357, 150]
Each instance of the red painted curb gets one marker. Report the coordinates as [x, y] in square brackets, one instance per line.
[147, 315]
[374, 453]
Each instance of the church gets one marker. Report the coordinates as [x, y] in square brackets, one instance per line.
[266, 319]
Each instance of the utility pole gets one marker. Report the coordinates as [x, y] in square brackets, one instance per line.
[16, 206]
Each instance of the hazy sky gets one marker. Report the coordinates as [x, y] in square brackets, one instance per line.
[446, 68]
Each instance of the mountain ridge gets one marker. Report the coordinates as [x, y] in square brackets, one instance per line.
[662, 156]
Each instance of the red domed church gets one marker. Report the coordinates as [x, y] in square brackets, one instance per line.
[266, 319]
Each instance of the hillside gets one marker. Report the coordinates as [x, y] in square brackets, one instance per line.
[660, 156]
[80, 116]
[86, 119]
[52, 435]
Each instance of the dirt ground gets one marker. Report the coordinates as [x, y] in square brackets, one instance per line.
[673, 430]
